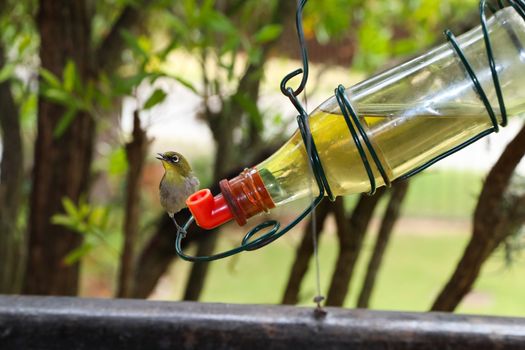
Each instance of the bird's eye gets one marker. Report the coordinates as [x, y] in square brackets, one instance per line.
[175, 159]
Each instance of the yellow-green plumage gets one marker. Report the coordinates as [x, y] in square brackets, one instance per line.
[177, 184]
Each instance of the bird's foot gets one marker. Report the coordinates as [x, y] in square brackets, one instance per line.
[180, 230]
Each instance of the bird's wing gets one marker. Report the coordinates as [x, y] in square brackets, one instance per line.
[193, 183]
[161, 181]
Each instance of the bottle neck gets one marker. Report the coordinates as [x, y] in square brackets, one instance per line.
[246, 195]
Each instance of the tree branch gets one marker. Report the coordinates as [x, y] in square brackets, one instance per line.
[390, 217]
[350, 242]
[107, 54]
[489, 217]
[135, 154]
[304, 253]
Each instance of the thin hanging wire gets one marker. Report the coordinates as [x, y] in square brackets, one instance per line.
[318, 298]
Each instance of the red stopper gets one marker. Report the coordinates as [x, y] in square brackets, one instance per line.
[209, 211]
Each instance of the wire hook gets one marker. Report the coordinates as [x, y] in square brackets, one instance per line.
[288, 91]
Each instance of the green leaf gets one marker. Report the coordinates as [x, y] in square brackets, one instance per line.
[58, 96]
[268, 33]
[255, 55]
[78, 253]
[96, 234]
[98, 217]
[28, 110]
[231, 44]
[156, 97]
[277, 119]
[24, 44]
[69, 75]
[65, 121]
[185, 83]
[219, 23]
[133, 43]
[178, 26]
[50, 78]
[69, 207]
[145, 44]
[89, 92]
[103, 91]
[118, 163]
[124, 86]
[84, 208]
[63, 220]
[7, 72]
[250, 107]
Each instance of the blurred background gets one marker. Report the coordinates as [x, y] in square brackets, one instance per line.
[91, 90]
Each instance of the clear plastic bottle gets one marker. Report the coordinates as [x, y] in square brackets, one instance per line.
[411, 114]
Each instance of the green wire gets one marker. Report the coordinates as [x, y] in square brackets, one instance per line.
[248, 242]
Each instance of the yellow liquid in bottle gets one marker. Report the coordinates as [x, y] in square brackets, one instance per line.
[401, 142]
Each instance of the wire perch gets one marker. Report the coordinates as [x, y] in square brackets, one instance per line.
[358, 133]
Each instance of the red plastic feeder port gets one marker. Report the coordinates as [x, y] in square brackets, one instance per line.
[208, 211]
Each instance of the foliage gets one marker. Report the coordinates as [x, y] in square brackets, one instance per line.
[384, 29]
[91, 221]
[225, 42]
[71, 92]
[20, 42]
[95, 96]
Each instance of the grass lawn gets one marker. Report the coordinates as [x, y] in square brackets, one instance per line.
[443, 194]
[416, 267]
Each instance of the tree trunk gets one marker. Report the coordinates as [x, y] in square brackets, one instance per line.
[12, 240]
[304, 253]
[350, 243]
[135, 154]
[387, 225]
[487, 227]
[62, 164]
[131, 19]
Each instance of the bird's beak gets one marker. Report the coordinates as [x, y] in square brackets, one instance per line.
[160, 156]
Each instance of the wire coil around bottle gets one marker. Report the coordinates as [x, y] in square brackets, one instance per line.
[359, 135]
[348, 111]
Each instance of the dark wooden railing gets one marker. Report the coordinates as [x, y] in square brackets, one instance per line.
[73, 323]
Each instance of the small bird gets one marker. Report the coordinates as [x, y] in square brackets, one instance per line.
[177, 184]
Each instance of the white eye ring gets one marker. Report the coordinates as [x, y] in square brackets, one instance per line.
[175, 159]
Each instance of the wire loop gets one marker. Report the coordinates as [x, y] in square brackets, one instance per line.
[304, 56]
[359, 135]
